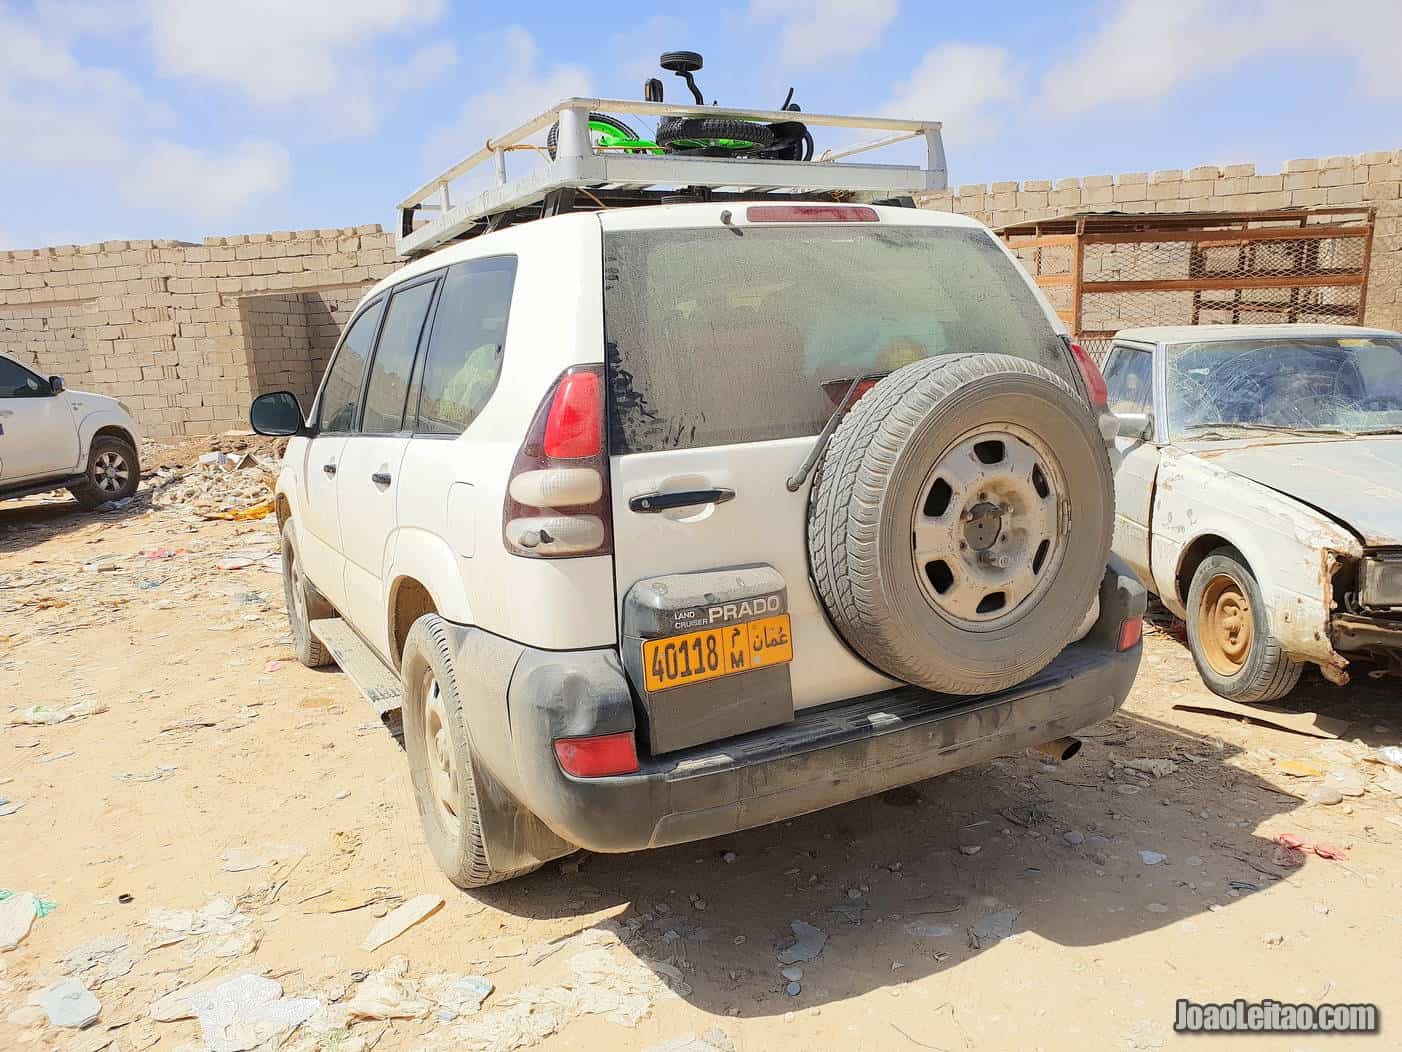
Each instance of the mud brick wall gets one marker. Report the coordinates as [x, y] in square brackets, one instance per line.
[187, 334]
[165, 326]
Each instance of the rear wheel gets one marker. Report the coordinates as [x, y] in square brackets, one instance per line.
[440, 758]
[113, 472]
[1229, 633]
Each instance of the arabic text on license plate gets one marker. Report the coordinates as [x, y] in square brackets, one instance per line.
[676, 661]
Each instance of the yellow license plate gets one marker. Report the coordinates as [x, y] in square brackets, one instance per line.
[695, 657]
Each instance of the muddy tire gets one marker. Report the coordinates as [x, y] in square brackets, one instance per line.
[304, 604]
[1229, 633]
[960, 522]
[113, 473]
[440, 758]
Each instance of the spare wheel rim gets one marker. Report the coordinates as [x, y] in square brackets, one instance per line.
[988, 530]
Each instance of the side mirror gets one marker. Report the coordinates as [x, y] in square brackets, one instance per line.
[56, 385]
[1139, 426]
[278, 414]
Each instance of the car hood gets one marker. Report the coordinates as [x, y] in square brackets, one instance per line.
[1357, 481]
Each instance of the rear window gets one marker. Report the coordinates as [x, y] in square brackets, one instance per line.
[718, 336]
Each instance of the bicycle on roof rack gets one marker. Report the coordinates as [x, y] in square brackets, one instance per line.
[721, 135]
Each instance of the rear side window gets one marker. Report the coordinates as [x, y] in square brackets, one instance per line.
[394, 359]
[465, 347]
[1128, 378]
[714, 338]
[341, 392]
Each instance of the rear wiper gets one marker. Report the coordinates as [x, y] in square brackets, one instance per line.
[796, 480]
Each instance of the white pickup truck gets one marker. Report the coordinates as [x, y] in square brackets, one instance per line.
[53, 438]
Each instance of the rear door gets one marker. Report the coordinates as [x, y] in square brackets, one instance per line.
[369, 463]
[728, 346]
[38, 430]
[319, 529]
[1129, 373]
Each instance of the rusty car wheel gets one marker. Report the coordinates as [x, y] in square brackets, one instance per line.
[1229, 633]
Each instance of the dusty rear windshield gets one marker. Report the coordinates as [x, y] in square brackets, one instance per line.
[718, 336]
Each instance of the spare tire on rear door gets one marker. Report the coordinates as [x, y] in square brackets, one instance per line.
[960, 522]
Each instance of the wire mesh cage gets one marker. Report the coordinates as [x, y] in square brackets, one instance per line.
[1104, 272]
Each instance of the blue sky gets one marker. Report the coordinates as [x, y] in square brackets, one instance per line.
[179, 118]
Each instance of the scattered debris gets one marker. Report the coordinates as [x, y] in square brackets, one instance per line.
[247, 1011]
[808, 943]
[1299, 769]
[992, 927]
[922, 930]
[219, 929]
[401, 920]
[1152, 858]
[712, 1040]
[1324, 794]
[1346, 780]
[1074, 837]
[970, 849]
[68, 1004]
[1155, 767]
[1388, 754]
[384, 995]
[47, 716]
[1273, 938]
[1297, 844]
[17, 913]
[99, 961]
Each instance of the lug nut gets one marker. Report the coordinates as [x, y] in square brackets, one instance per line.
[989, 559]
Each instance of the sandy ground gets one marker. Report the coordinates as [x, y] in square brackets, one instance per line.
[221, 769]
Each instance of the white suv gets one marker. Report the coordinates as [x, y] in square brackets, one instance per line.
[560, 498]
[52, 438]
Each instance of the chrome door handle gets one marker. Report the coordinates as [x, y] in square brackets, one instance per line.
[381, 478]
[330, 469]
[650, 503]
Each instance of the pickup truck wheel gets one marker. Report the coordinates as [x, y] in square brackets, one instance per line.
[960, 522]
[1229, 633]
[304, 604]
[114, 472]
[440, 758]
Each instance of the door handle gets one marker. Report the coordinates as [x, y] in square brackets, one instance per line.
[381, 478]
[330, 469]
[651, 503]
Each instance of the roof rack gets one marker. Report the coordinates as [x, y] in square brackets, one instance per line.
[582, 176]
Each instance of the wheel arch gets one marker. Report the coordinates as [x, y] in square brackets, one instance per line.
[1192, 557]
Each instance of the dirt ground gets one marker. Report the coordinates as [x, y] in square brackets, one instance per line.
[213, 809]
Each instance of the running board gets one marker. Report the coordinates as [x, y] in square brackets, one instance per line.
[370, 675]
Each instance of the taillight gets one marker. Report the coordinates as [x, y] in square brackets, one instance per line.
[811, 214]
[557, 499]
[598, 757]
[1090, 373]
[1131, 632]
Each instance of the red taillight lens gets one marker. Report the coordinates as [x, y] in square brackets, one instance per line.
[1131, 632]
[597, 757]
[557, 499]
[575, 426]
[1090, 372]
[811, 214]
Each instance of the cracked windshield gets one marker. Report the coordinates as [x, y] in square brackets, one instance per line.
[1350, 385]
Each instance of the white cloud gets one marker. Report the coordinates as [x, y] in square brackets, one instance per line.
[961, 85]
[1147, 48]
[521, 86]
[205, 184]
[317, 54]
[815, 33]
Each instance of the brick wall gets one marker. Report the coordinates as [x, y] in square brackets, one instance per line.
[187, 334]
[162, 324]
[1365, 179]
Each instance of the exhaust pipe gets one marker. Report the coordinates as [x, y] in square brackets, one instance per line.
[1058, 750]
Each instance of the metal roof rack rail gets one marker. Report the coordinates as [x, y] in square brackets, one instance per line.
[582, 176]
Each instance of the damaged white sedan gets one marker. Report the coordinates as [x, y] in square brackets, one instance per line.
[1260, 495]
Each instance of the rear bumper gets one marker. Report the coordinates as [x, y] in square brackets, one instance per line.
[824, 757]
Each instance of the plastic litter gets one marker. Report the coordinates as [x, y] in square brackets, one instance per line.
[1298, 844]
[1346, 780]
[1299, 769]
[1156, 767]
[384, 995]
[1388, 754]
[47, 716]
[461, 993]
[9, 807]
[922, 930]
[246, 1011]
[808, 943]
[712, 1040]
[1152, 858]
[68, 1004]
[17, 913]
[401, 920]
[99, 961]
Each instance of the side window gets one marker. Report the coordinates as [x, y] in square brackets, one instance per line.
[394, 359]
[18, 382]
[341, 392]
[465, 347]
[1129, 379]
